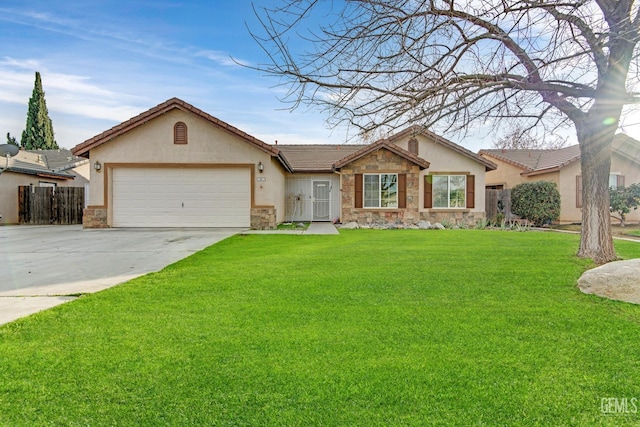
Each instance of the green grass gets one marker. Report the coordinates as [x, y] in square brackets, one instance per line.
[293, 225]
[454, 327]
[634, 232]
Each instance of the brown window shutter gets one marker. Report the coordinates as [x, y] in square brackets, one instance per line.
[578, 191]
[471, 191]
[428, 191]
[358, 195]
[180, 133]
[620, 181]
[402, 190]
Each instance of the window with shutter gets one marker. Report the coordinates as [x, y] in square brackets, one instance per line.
[180, 133]
[380, 190]
[449, 191]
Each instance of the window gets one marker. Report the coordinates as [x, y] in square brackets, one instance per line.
[615, 181]
[449, 191]
[180, 133]
[381, 190]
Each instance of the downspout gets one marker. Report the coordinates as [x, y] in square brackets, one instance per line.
[333, 167]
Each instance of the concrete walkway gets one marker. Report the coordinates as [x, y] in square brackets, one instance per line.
[321, 228]
[314, 228]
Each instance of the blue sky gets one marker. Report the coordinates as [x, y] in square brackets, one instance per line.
[105, 61]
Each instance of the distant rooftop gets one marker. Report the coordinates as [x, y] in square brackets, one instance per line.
[537, 160]
[51, 163]
[540, 161]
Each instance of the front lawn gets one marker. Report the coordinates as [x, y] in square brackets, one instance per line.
[451, 327]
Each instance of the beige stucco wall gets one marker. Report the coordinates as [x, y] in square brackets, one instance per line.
[443, 159]
[10, 181]
[509, 175]
[152, 144]
[506, 174]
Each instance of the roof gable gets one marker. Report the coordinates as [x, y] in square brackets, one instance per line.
[85, 147]
[627, 147]
[419, 130]
[386, 144]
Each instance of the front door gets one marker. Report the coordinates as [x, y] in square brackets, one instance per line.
[321, 200]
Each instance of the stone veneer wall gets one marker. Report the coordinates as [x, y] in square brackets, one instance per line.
[94, 218]
[263, 218]
[454, 217]
[384, 161]
[380, 161]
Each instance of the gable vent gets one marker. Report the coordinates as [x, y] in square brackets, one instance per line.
[180, 133]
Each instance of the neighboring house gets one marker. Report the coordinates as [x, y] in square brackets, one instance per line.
[177, 166]
[39, 168]
[562, 166]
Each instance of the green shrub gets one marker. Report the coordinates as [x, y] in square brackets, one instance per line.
[538, 202]
[622, 200]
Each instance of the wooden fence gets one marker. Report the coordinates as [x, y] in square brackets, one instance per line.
[498, 202]
[47, 205]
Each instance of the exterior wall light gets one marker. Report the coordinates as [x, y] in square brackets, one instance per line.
[97, 166]
[260, 167]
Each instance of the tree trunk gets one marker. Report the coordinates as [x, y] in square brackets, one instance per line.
[596, 240]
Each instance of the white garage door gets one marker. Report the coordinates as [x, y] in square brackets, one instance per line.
[177, 197]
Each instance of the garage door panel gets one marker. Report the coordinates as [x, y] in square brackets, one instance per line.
[173, 197]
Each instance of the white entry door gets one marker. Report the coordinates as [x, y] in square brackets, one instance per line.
[321, 200]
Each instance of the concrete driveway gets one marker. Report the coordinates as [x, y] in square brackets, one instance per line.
[42, 266]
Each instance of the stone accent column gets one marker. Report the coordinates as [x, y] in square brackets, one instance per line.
[94, 218]
[263, 218]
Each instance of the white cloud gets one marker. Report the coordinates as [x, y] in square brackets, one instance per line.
[219, 57]
[65, 93]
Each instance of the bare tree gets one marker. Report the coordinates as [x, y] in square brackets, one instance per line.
[447, 64]
[518, 138]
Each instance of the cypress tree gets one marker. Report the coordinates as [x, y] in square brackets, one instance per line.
[38, 133]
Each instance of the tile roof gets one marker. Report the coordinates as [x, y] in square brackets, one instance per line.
[535, 162]
[316, 158]
[61, 159]
[36, 162]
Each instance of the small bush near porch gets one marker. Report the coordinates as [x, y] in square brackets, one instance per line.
[452, 327]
